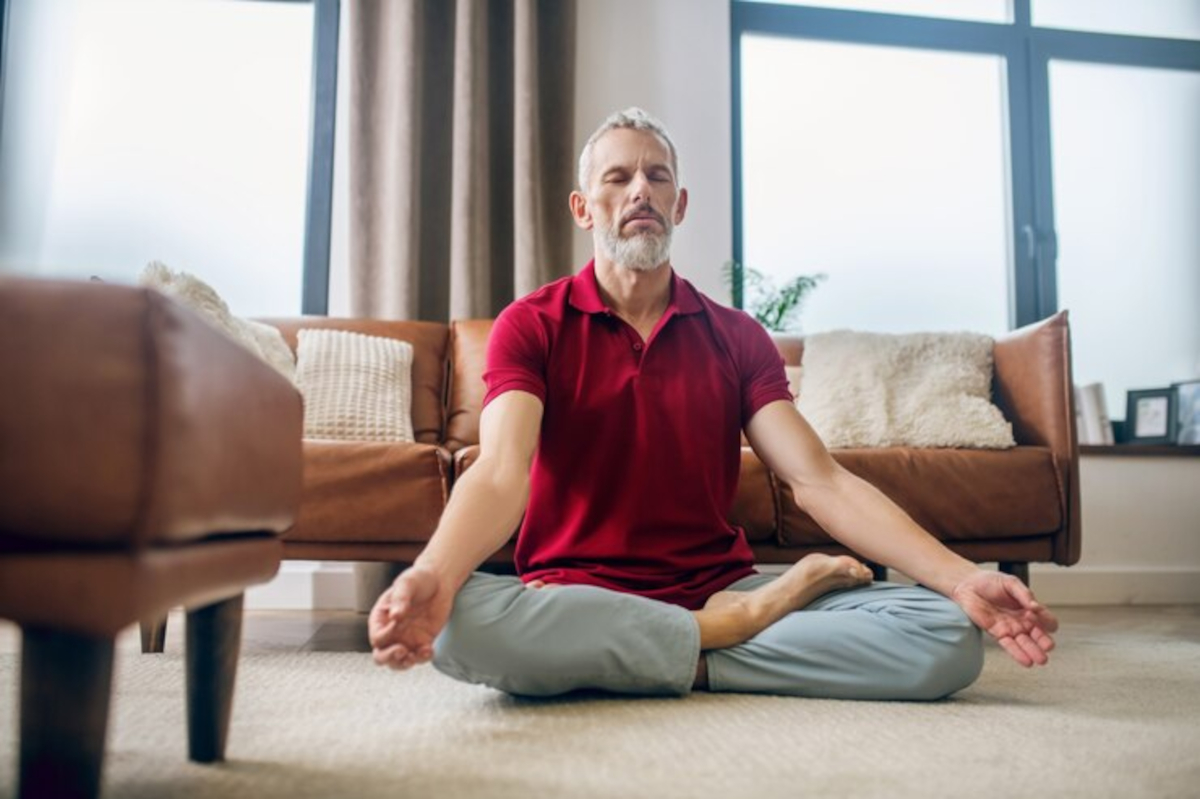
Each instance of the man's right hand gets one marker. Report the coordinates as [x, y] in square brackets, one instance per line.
[407, 618]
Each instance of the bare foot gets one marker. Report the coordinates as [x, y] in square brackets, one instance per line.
[731, 617]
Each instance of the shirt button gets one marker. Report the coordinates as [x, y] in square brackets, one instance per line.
[637, 345]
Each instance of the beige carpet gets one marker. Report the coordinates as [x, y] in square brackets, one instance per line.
[1117, 714]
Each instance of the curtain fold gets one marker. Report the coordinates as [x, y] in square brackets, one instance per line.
[461, 153]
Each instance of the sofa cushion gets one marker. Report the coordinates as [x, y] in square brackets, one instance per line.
[429, 341]
[754, 505]
[370, 492]
[355, 387]
[914, 390]
[955, 494]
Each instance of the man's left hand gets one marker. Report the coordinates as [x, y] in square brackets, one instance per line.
[1005, 607]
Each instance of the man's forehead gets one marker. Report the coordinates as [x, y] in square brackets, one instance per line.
[621, 145]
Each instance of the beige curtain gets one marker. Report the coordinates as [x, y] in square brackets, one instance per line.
[461, 153]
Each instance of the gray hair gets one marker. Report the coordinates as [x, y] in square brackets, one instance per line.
[632, 118]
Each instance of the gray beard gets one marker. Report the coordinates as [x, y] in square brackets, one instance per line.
[642, 252]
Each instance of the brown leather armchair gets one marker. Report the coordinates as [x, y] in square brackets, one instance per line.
[146, 461]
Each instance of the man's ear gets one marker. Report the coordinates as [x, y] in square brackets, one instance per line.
[580, 211]
[681, 206]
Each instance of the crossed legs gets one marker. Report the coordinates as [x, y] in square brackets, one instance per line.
[880, 641]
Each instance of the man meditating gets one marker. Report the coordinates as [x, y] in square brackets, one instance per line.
[615, 401]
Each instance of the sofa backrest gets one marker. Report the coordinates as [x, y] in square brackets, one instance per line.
[430, 343]
[464, 400]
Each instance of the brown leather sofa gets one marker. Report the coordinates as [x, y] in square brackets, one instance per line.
[381, 502]
[146, 462]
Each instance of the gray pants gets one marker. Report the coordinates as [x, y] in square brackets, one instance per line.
[881, 641]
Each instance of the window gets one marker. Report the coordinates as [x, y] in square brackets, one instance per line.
[190, 131]
[979, 170]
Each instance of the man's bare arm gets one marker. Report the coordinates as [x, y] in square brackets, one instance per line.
[489, 499]
[850, 509]
[484, 509]
[858, 515]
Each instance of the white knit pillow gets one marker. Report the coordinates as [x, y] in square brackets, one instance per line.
[355, 387]
[915, 390]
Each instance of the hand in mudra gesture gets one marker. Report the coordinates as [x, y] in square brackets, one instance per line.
[407, 617]
[1004, 607]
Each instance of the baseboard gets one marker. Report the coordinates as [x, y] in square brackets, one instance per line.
[1084, 585]
[311, 585]
[306, 585]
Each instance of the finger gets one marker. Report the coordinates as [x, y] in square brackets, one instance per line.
[1019, 591]
[1031, 649]
[1015, 651]
[379, 634]
[1046, 620]
[404, 663]
[383, 657]
[535, 584]
[1042, 639]
[399, 605]
[380, 608]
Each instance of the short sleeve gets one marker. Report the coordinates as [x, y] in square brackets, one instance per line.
[516, 354]
[764, 380]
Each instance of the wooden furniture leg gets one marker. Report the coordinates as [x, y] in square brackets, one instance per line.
[1019, 570]
[154, 634]
[66, 681]
[214, 635]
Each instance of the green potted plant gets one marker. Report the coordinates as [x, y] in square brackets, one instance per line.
[777, 308]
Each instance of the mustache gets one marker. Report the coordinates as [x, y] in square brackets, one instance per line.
[643, 210]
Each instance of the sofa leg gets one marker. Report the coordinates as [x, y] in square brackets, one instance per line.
[1018, 570]
[66, 681]
[214, 636]
[154, 634]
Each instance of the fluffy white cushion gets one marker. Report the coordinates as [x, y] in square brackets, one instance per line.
[263, 340]
[916, 390]
[355, 387]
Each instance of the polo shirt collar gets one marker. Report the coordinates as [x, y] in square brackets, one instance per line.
[585, 293]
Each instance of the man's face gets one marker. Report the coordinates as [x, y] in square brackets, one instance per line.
[633, 200]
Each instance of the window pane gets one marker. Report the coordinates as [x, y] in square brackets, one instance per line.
[884, 168]
[1176, 19]
[977, 10]
[152, 129]
[1126, 199]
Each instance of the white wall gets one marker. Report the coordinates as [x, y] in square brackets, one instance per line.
[671, 57]
[1141, 535]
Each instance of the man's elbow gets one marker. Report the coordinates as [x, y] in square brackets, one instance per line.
[508, 478]
[821, 487]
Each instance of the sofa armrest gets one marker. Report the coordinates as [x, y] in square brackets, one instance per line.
[1034, 389]
[1033, 383]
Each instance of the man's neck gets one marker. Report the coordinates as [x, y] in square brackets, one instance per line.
[639, 298]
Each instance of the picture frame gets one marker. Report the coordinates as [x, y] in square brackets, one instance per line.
[1150, 416]
[1187, 412]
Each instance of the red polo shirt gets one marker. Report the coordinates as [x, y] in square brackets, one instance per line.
[638, 460]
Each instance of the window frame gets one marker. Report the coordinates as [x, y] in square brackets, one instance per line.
[1027, 50]
[318, 221]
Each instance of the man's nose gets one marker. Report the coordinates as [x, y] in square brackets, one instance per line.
[640, 187]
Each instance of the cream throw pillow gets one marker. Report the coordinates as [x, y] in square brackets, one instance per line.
[915, 390]
[262, 340]
[355, 387]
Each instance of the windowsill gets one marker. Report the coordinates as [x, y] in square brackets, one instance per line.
[1156, 450]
